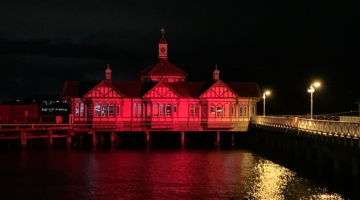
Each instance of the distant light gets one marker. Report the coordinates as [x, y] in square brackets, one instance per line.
[57, 101]
[18, 100]
[268, 92]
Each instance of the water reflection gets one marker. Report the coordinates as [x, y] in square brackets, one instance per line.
[186, 174]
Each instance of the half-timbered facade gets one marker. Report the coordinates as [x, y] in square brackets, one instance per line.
[163, 101]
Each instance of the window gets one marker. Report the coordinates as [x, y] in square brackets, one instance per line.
[82, 109]
[204, 110]
[196, 110]
[135, 110]
[240, 111]
[77, 110]
[168, 110]
[118, 112]
[104, 112]
[97, 109]
[175, 109]
[162, 110]
[111, 110]
[90, 109]
[148, 110]
[212, 110]
[139, 110]
[191, 110]
[226, 110]
[155, 110]
[219, 111]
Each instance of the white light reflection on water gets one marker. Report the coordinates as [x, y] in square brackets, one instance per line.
[273, 182]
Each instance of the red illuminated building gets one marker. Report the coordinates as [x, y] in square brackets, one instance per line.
[163, 101]
[19, 113]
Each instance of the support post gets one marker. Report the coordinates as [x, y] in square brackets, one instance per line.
[217, 143]
[112, 139]
[23, 139]
[94, 141]
[232, 139]
[182, 138]
[147, 139]
[50, 139]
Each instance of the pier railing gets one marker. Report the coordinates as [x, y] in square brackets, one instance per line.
[325, 127]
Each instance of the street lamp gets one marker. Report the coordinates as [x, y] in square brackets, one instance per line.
[267, 92]
[311, 90]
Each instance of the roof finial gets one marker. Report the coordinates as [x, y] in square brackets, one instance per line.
[163, 32]
[108, 65]
[215, 66]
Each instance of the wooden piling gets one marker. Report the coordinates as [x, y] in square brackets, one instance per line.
[147, 138]
[217, 142]
[94, 141]
[182, 138]
[232, 139]
[50, 139]
[68, 140]
[112, 137]
[23, 139]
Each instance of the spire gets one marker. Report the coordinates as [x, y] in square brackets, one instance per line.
[163, 45]
[216, 74]
[108, 73]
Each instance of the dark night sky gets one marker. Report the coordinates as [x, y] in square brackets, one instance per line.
[283, 46]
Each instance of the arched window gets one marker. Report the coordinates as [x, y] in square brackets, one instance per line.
[134, 109]
[196, 108]
[168, 110]
[139, 110]
[118, 110]
[155, 110]
[204, 110]
[232, 110]
[240, 111]
[104, 111]
[77, 110]
[148, 110]
[226, 110]
[219, 111]
[212, 110]
[97, 110]
[175, 109]
[90, 110]
[191, 110]
[82, 109]
[111, 110]
[162, 110]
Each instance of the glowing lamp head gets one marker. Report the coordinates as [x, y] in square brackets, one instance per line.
[317, 84]
[268, 92]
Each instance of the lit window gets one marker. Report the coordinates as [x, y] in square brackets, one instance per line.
[82, 109]
[168, 110]
[77, 110]
[111, 109]
[219, 111]
[245, 111]
[139, 110]
[135, 110]
[162, 110]
[240, 111]
[233, 110]
[104, 112]
[196, 110]
[156, 110]
[191, 110]
[212, 110]
[97, 109]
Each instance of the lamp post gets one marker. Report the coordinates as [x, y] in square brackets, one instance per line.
[311, 90]
[264, 97]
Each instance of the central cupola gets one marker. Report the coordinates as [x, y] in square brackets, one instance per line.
[163, 45]
[162, 70]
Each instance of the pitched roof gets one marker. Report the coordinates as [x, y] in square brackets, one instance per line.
[162, 68]
[136, 89]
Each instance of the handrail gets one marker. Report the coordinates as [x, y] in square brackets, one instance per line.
[340, 128]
